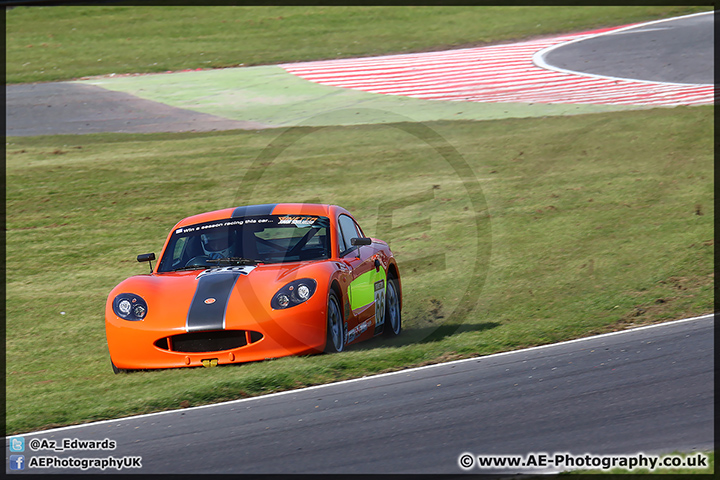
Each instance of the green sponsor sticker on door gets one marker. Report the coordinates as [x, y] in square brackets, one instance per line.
[368, 288]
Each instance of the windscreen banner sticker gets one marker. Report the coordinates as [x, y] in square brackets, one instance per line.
[297, 220]
[379, 303]
[226, 223]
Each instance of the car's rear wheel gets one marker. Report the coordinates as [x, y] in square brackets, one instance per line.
[393, 317]
[335, 330]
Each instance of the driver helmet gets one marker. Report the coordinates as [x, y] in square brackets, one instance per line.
[216, 244]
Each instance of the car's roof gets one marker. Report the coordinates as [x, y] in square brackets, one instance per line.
[264, 209]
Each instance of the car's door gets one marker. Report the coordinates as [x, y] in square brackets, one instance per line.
[367, 283]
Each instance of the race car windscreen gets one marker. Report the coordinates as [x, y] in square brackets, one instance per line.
[262, 239]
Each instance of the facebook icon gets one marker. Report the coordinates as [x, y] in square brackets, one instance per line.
[17, 462]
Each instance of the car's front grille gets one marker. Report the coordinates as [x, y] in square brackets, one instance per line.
[213, 341]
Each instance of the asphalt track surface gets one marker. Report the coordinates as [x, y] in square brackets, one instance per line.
[647, 390]
[67, 109]
[679, 51]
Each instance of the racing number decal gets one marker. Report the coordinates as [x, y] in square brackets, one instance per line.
[379, 303]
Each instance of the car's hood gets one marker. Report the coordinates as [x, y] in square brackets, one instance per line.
[198, 300]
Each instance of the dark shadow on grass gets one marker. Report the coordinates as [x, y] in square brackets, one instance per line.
[415, 336]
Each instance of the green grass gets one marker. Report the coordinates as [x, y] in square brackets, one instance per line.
[536, 231]
[65, 42]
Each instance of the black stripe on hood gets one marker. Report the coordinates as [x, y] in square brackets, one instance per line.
[210, 316]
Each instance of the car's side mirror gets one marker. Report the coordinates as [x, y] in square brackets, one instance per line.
[146, 257]
[360, 241]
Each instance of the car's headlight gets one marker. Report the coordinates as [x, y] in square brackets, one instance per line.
[129, 306]
[294, 293]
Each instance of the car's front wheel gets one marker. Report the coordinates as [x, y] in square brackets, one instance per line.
[116, 370]
[335, 330]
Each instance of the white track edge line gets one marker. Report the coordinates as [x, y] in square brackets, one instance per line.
[538, 58]
[315, 387]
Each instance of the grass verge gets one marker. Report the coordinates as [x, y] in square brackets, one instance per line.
[65, 42]
[578, 225]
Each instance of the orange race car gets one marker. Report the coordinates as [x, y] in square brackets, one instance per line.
[252, 283]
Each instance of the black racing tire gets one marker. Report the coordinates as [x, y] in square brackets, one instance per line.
[117, 370]
[335, 342]
[393, 315]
